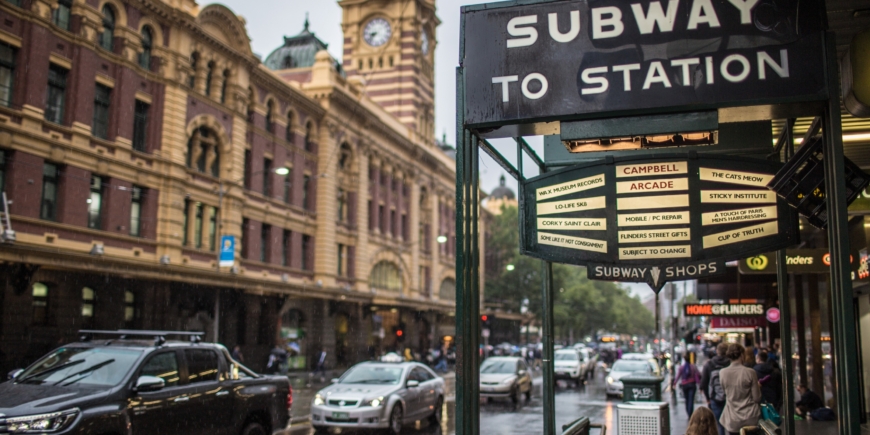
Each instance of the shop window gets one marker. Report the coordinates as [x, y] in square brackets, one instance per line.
[102, 101]
[48, 206]
[56, 95]
[7, 73]
[147, 43]
[385, 276]
[88, 299]
[140, 126]
[40, 307]
[164, 366]
[108, 35]
[130, 312]
[95, 203]
[136, 211]
[265, 230]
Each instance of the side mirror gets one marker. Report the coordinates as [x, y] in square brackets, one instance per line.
[14, 374]
[149, 383]
[413, 384]
[333, 381]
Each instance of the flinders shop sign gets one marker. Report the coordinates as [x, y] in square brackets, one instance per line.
[654, 220]
[540, 61]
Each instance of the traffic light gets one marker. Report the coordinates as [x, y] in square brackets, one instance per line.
[485, 321]
[400, 333]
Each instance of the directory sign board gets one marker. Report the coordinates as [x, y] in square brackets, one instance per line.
[653, 220]
[549, 60]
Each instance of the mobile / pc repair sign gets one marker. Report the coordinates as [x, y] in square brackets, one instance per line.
[537, 61]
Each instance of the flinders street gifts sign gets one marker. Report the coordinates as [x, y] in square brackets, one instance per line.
[654, 220]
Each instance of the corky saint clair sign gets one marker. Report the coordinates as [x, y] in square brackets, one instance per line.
[550, 60]
[653, 220]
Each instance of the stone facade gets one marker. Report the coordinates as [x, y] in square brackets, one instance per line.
[135, 134]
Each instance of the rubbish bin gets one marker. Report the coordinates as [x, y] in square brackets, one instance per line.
[643, 418]
[642, 388]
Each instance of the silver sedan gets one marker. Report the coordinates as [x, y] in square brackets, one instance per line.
[373, 395]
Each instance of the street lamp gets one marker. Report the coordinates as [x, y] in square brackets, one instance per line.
[509, 267]
[441, 239]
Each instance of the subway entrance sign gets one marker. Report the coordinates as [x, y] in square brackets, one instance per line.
[669, 218]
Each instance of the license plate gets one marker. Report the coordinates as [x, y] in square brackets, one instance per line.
[340, 415]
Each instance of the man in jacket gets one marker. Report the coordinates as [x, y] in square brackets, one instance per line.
[809, 401]
[718, 362]
[770, 378]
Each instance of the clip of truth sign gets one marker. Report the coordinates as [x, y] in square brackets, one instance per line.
[595, 58]
[669, 218]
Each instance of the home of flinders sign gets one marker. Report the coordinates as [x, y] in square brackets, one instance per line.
[655, 220]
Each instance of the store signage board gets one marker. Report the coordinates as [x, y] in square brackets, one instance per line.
[797, 261]
[723, 310]
[552, 60]
[737, 323]
[654, 220]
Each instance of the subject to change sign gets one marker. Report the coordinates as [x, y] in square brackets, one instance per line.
[631, 219]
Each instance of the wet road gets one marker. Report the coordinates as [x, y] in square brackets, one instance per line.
[503, 417]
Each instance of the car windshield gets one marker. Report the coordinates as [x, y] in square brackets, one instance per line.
[500, 367]
[630, 366]
[566, 356]
[96, 367]
[372, 375]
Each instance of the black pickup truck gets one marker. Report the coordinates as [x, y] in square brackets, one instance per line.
[137, 382]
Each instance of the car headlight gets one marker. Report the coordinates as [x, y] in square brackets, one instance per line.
[318, 400]
[42, 423]
[508, 380]
[374, 403]
[609, 379]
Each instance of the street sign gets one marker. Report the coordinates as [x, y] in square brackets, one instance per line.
[535, 62]
[723, 310]
[228, 251]
[773, 315]
[672, 217]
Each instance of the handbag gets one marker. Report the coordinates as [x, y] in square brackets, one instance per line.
[768, 412]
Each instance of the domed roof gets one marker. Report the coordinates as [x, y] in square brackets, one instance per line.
[297, 52]
[502, 191]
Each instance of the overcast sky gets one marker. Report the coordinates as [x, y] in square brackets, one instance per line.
[270, 20]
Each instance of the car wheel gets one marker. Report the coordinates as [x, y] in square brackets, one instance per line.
[435, 418]
[396, 417]
[254, 429]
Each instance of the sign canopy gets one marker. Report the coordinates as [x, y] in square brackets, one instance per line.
[550, 60]
[669, 218]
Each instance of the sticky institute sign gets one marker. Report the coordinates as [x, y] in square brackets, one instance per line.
[655, 220]
[539, 61]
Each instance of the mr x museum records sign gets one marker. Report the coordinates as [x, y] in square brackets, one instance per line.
[653, 220]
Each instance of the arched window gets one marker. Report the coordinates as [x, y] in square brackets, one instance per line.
[194, 64]
[385, 276]
[270, 109]
[309, 137]
[208, 78]
[107, 38]
[447, 290]
[147, 41]
[224, 86]
[203, 152]
[291, 120]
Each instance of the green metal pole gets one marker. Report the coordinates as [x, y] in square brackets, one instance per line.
[785, 342]
[549, 379]
[845, 340]
[467, 272]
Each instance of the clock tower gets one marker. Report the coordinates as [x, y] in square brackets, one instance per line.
[390, 44]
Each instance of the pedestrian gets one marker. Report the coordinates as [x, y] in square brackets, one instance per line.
[320, 365]
[277, 360]
[237, 354]
[742, 391]
[703, 422]
[711, 385]
[770, 378]
[441, 366]
[688, 379]
[809, 402]
[408, 356]
[749, 357]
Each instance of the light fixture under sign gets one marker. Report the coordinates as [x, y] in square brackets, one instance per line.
[641, 142]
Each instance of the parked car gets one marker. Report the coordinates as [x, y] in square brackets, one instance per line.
[569, 364]
[644, 357]
[377, 395]
[590, 361]
[505, 377]
[136, 382]
[623, 368]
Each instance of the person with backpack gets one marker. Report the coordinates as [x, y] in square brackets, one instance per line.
[770, 378]
[711, 385]
[742, 391]
[688, 378]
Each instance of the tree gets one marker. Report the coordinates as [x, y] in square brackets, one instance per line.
[581, 305]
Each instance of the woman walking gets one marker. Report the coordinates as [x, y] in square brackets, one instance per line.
[688, 378]
[742, 390]
[703, 422]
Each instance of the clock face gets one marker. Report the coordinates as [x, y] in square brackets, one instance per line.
[424, 37]
[377, 32]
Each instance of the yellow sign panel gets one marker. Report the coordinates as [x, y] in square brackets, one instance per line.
[735, 177]
[741, 234]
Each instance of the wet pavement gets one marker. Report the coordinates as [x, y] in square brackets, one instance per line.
[503, 417]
